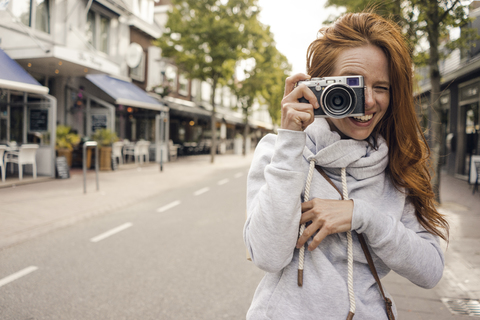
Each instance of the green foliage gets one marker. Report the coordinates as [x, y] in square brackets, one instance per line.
[266, 76]
[65, 139]
[207, 37]
[422, 22]
[104, 137]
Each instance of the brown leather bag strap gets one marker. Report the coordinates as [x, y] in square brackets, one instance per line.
[388, 302]
[363, 243]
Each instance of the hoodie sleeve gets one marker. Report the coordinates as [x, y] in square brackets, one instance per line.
[274, 186]
[403, 245]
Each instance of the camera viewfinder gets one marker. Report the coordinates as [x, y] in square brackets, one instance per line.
[353, 81]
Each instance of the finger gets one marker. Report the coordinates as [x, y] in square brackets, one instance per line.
[307, 205]
[296, 117]
[291, 81]
[307, 233]
[321, 234]
[302, 91]
[307, 216]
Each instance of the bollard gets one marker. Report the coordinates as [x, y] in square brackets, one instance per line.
[85, 145]
[161, 160]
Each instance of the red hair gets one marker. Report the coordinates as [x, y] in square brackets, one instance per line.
[409, 154]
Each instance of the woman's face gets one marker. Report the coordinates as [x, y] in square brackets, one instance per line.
[370, 62]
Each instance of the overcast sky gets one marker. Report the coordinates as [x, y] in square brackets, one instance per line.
[295, 25]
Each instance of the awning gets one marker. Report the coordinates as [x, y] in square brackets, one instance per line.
[14, 77]
[124, 92]
[186, 108]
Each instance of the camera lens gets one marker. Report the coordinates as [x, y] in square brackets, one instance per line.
[338, 100]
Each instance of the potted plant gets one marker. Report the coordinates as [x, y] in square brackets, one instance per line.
[66, 140]
[105, 138]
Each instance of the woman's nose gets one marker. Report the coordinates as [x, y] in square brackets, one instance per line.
[369, 98]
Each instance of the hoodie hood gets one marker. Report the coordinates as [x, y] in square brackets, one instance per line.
[333, 153]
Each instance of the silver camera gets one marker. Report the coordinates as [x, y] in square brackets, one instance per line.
[339, 97]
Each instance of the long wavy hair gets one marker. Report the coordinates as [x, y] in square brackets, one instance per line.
[409, 154]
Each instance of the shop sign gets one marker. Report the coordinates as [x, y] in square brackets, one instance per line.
[61, 168]
[99, 121]
[38, 120]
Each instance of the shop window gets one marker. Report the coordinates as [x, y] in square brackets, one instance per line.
[3, 116]
[469, 92]
[33, 13]
[97, 30]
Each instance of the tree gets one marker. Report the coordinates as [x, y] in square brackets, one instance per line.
[262, 75]
[430, 22]
[206, 38]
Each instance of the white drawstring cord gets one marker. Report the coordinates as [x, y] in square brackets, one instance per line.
[349, 248]
[301, 256]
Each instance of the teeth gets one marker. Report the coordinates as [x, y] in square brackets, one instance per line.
[364, 118]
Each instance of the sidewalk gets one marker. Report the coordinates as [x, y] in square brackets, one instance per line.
[30, 210]
[33, 209]
[461, 278]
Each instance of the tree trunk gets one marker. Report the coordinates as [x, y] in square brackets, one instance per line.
[246, 131]
[213, 121]
[435, 134]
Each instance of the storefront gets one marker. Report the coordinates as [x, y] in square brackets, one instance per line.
[468, 128]
[27, 115]
[120, 106]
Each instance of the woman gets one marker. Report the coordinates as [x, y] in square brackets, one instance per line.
[383, 157]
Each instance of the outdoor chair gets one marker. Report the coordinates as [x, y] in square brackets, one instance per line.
[477, 180]
[117, 151]
[172, 150]
[2, 163]
[144, 146]
[25, 155]
[133, 150]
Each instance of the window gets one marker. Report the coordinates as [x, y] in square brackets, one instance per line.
[104, 31]
[33, 13]
[97, 31]
[171, 76]
[183, 82]
[138, 73]
[90, 28]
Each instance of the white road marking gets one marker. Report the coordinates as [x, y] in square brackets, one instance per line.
[111, 232]
[238, 175]
[169, 206]
[17, 275]
[199, 192]
[221, 182]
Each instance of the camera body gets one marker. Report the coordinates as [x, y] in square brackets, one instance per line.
[339, 97]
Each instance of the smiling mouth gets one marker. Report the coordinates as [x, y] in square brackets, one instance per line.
[364, 118]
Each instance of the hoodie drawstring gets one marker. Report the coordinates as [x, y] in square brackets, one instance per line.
[301, 259]
[351, 295]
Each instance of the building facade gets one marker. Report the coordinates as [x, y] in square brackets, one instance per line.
[460, 99]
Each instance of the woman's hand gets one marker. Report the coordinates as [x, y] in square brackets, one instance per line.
[295, 115]
[327, 216]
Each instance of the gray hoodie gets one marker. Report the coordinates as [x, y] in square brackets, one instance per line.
[383, 214]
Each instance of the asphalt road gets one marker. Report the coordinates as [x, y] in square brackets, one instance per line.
[178, 255]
